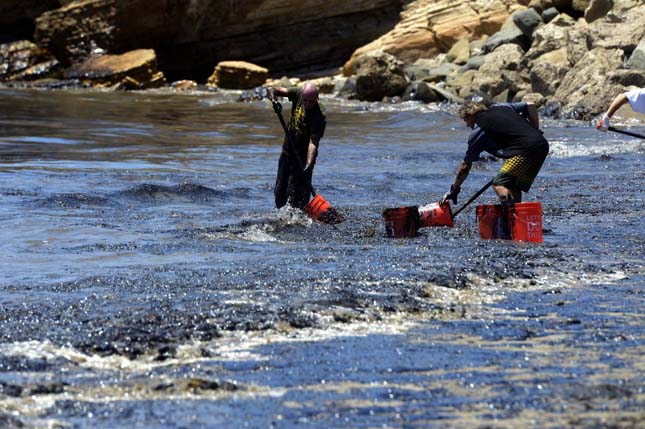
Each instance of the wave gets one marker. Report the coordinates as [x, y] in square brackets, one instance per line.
[73, 200]
[185, 191]
[565, 148]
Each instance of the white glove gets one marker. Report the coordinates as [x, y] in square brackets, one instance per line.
[603, 124]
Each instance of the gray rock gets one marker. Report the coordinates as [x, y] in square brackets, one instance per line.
[527, 21]
[637, 60]
[421, 68]
[549, 14]
[440, 73]
[474, 63]
[511, 34]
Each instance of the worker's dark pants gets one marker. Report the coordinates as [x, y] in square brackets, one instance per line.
[291, 185]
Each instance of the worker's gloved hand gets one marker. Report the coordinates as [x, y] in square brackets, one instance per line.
[603, 124]
[452, 195]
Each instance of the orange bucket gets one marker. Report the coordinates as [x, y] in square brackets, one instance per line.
[320, 210]
[435, 214]
[515, 221]
[401, 221]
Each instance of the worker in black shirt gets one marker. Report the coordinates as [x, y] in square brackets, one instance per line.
[509, 131]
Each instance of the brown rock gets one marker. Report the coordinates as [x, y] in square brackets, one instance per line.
[238, 75]
[586, 90]
[73, 32]
[500, 72]
[379, 75]
[428, 27]
[597, 9]
[548, 70]
[17, 58]
[459, 53]
[184, 85]
[132, 70]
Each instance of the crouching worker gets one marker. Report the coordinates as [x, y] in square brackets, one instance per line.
[509, 131]
[306, 127]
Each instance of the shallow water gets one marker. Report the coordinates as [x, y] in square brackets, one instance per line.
[149, 282]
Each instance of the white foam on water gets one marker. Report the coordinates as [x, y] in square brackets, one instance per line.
[565, 148]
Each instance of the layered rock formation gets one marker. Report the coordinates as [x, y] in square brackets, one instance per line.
[191, 37]
[570, 56]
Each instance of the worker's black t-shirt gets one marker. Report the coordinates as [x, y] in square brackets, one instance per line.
[303, 124]
[513, 134]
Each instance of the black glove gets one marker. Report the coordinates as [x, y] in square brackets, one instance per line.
[452, 195]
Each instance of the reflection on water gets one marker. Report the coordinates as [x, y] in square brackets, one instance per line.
[148, 281]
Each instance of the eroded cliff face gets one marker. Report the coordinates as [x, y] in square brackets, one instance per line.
[17, 17]
[191, 36]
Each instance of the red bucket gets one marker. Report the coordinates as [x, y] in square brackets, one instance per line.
[320, 210]
[515, 221]
[401, 221]
[435, 214]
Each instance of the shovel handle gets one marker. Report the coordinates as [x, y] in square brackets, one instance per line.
[277, 108]
[473, 198]
[627, 133]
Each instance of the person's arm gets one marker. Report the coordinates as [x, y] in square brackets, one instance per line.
[312, 152]
[462, 173]
[533, 117]
[460, 177]
[616, 104]
[603, 124]
[277, 91]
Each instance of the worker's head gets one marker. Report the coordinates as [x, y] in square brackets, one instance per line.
[309, 96]
[469, 111]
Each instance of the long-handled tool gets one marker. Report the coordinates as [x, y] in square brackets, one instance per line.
[627, 133]
[438, 214]
[318, 208]
[473, 198]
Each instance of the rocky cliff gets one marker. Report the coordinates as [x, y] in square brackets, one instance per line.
[569, 56]
[191, 36]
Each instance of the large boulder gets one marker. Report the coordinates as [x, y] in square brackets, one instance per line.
[501, 72]
[133, 70]
[550, 37]
[77, 30]
[548, 71]
[624, 34]
[430, 27]
[586, 89]
[379, 75]
[527, 21]
[238, 75]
